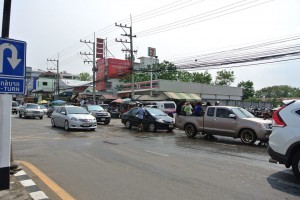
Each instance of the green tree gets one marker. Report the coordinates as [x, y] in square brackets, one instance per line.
[85, 76]
[278, 91]
[201, 77]
[248, 89]
[225, 78]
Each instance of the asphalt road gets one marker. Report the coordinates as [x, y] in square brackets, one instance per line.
[115, 163]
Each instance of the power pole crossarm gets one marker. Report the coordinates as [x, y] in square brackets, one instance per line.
[131, 36]
[57, 71]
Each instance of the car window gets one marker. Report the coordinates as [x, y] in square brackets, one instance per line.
[169, 105]
[156, 112]
[63, 110]
[94, 108]
[223, 113]
[134, 111]
[14, 104]
[34, 106]
[58, 110]
[242, 113]
[297, 112]
[210, 112]
[77, 110]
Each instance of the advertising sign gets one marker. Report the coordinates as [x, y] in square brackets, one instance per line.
[118, 68]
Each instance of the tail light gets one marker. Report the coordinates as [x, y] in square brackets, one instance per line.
[277, 121]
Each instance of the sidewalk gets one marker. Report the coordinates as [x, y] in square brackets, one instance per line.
[17, 191]
[22, 188]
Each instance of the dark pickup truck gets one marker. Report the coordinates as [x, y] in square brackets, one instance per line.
[229, 121]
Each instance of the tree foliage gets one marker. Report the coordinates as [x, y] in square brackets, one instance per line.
[248, 89]
[278, 91]
[224, 77]
[85, 76]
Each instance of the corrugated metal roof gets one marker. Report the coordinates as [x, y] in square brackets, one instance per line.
[182, 96]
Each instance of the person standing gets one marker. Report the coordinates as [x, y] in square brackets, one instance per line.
[140, 114]
[198, 109]
[188, 108]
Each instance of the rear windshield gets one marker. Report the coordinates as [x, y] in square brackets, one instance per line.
[14, 103]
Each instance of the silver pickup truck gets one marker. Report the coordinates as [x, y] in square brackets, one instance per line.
[229, 121]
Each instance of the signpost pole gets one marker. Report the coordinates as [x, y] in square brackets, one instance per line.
[5, 110]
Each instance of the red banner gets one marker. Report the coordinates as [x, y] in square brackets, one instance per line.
[100, 75]
[118, 68]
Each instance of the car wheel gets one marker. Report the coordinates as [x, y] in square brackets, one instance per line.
[190, 130]
[296, 165]
[52, 122]
[41, 117]
[128, 124]
[66, 125]
[152, 127]
[248, 136]
[92, 129]
[105, 123]
[20, 115]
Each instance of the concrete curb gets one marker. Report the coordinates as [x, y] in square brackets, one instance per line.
[30, 186]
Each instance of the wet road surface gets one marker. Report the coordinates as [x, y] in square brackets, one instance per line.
[115, 163]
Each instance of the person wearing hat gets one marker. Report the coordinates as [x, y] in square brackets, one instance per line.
[217, 103]
[188, 109]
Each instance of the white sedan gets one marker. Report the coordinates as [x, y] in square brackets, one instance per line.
[73, 117]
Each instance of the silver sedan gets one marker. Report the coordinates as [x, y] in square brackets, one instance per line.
[73, 117]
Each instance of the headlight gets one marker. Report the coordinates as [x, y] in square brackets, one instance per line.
[73, 119]
[265, 126]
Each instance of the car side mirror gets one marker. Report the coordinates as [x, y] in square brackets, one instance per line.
[232, 116]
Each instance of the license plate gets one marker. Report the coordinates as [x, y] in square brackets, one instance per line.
[102, 119]
[171, 126]
[86, 124]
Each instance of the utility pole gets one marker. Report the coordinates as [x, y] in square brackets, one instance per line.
[128, 50]
[93, 61]
[57, 71]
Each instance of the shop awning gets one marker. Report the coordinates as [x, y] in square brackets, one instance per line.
[182, 96]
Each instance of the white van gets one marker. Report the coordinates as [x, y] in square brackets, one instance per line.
[168, 107]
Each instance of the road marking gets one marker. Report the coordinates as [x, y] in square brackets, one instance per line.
[160, 154]
[50, 183]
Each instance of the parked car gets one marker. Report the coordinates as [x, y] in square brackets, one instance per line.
[31, 110]
[168, 107]
[50, 110]
[45, 110]
[154, 119]
[284, 142]
[73, 117]
[104, 106]
[229, 121]
[15, 107]
[98, 112]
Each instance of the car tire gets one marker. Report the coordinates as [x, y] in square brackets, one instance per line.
[20, 115]
[92, 129]
[248, 136]
[52, 122]
[106, 123]
[41, 117]
[152, 127]
[170, 130]
[190, 130]
[296, 165]
[66, 125]
[128, 124]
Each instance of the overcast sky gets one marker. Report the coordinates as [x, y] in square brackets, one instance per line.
[52, 27]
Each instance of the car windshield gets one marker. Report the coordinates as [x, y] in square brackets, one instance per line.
[156, 112]
[77, 110]
[43, 107]
[242, 113]
[33, 106]
[14, 104]
[95, 108]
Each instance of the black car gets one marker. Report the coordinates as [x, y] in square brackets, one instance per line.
[99, 112]
[154, 119]
[50, 110]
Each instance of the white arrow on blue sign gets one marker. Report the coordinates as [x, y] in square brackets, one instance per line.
[12, 66]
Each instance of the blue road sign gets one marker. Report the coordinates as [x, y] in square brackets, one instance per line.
[12, 66]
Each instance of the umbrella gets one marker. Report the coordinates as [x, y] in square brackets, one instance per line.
[58, 101]
[117, 101]
[43, 101]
